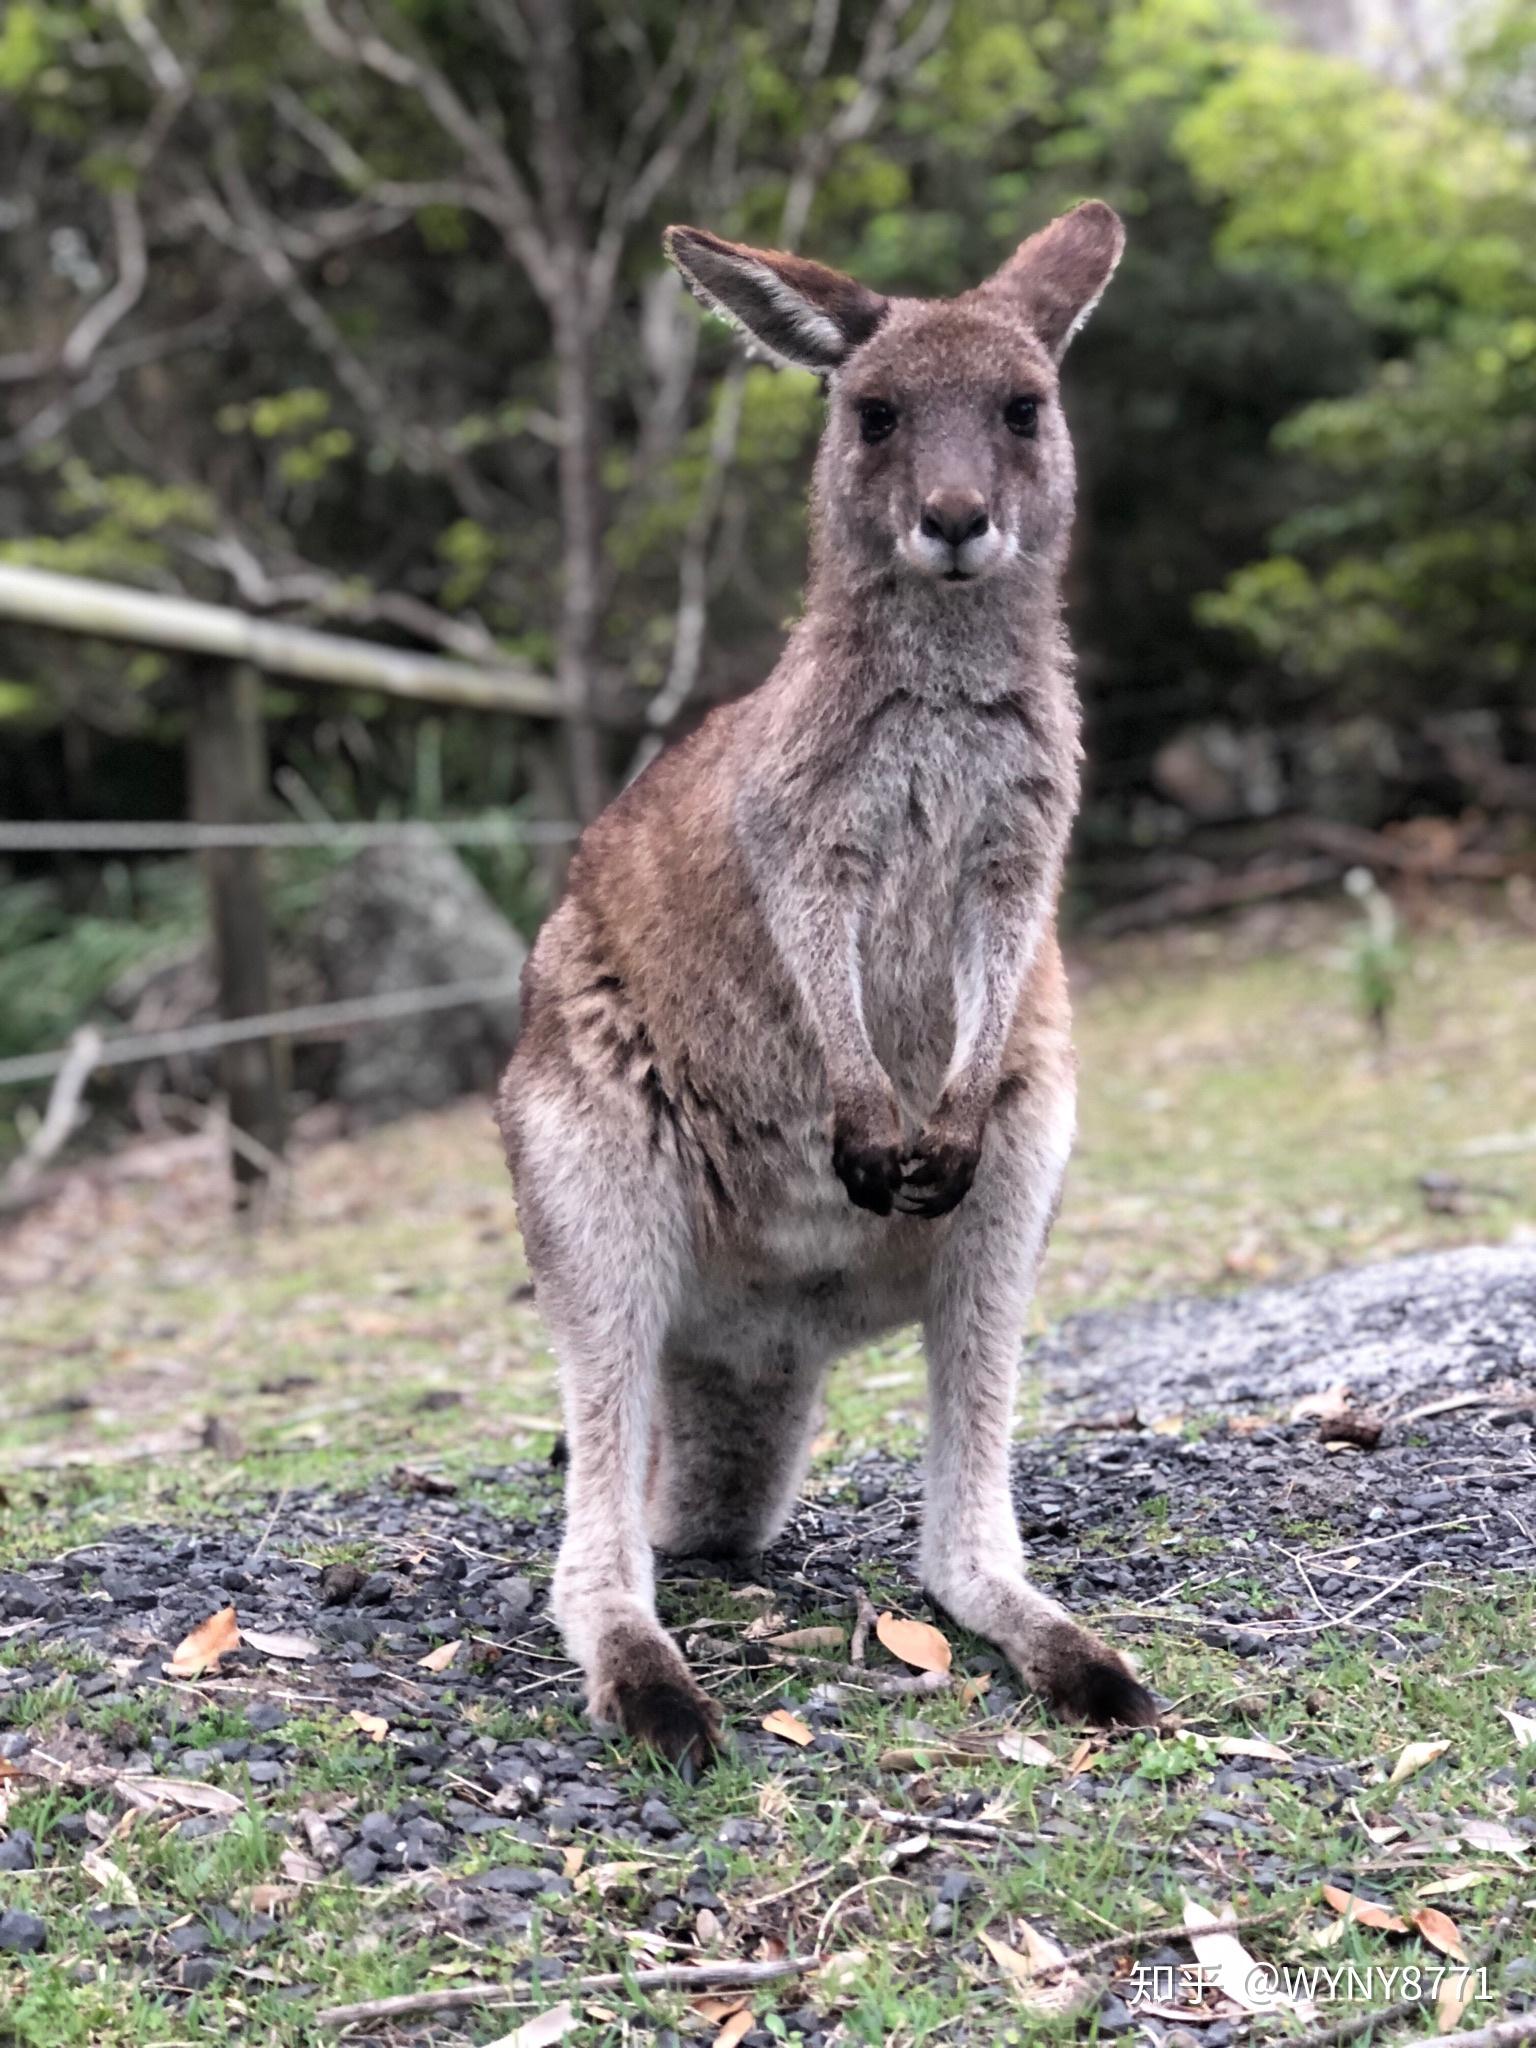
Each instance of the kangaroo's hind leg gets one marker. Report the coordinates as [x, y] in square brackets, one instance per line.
[604, 1222]
[731, 1446]
[973, 1559]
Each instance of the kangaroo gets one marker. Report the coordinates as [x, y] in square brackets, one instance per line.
[796, 1061]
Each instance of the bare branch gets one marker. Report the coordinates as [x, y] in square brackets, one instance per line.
[117, 303]
[505, 196]
[165, 67]
[316, 589]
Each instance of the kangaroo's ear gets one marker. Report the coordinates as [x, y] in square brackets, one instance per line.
[1059, 275]
[801, 312]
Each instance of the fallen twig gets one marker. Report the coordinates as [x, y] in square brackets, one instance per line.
[1139, 1937]
[663, 1977]
[866, 1620]
[1520, 2026]
[889, 1684]
[942, 1824]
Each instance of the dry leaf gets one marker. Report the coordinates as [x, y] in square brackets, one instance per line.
[1017, 1748]
[1440, 1931]
[916, 1643]
[841, 1975]
[208, 1642]
[1252, 1745]
[1458, 1881]
[706, 1928]
[736, 2028]
[299, 1868]
[543, 2030]
[603, 1878]
[1082, 1757]
[374, 1726]
[1493, 1836]
[270, 1898]
[101, 1870]
[572, 1857]
[1332, 1401]
[1452, 2000]
[1226, 1963]
[973, 1688]
[294, 1648]
[149, 1793]
[715, 2009]
[1415, 1757]
[440, 1658]
[1524, 1728]
[1350, 1906]
[789, 1726]
[1382, 1836]
[762, 1626]
[809, 1639]
[1036, 1974]
[904, 1850]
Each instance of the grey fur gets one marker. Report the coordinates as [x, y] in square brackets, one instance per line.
[796, 1064]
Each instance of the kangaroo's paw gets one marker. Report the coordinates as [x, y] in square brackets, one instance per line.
[1087, 1681]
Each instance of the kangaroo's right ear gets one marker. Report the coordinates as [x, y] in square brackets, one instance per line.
[801, 312]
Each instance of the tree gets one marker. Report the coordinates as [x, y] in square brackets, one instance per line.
[1406, 585]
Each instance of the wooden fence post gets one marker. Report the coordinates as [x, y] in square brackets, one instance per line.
[227, 774]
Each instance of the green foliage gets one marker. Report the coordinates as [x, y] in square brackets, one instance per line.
[1408, 581]
[59, 959]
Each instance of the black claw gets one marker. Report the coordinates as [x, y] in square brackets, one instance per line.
[678, 1724]
[1100, 1690]
[871, 1174]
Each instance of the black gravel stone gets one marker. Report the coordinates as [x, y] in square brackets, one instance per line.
[18, 1851]
[22, 1934]
[657, 1818]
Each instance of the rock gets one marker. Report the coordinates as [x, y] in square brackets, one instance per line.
[18, 1851]
[657, 1818]
[22, 1934]
[515, 1596]
[379, 1830]
[409, 917]
[361, 1865]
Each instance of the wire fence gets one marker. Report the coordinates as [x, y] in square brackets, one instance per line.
[101, 836]
[70, 1066]
[136, 1048]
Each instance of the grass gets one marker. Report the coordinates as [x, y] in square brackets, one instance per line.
[1238, 1124]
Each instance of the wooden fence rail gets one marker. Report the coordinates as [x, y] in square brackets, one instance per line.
[227, 653]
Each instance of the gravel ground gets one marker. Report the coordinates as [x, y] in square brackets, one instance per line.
[1279, 1535]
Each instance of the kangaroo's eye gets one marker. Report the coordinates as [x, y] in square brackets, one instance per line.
[877, 420]
[1021, 416]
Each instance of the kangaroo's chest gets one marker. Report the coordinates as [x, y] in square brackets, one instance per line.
[935, 790]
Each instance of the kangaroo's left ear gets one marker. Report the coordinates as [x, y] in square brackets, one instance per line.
[1058, 276]
[800, 311]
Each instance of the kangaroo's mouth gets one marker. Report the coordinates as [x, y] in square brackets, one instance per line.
[959, 576]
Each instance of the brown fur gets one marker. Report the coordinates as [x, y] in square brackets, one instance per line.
[796, 1060]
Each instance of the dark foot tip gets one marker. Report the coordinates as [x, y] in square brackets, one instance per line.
[677, 1724]
[1102, 1691]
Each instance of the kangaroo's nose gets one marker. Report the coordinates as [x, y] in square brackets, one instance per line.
[954, 515]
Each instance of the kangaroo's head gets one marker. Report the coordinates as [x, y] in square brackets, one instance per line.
[945, 452]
